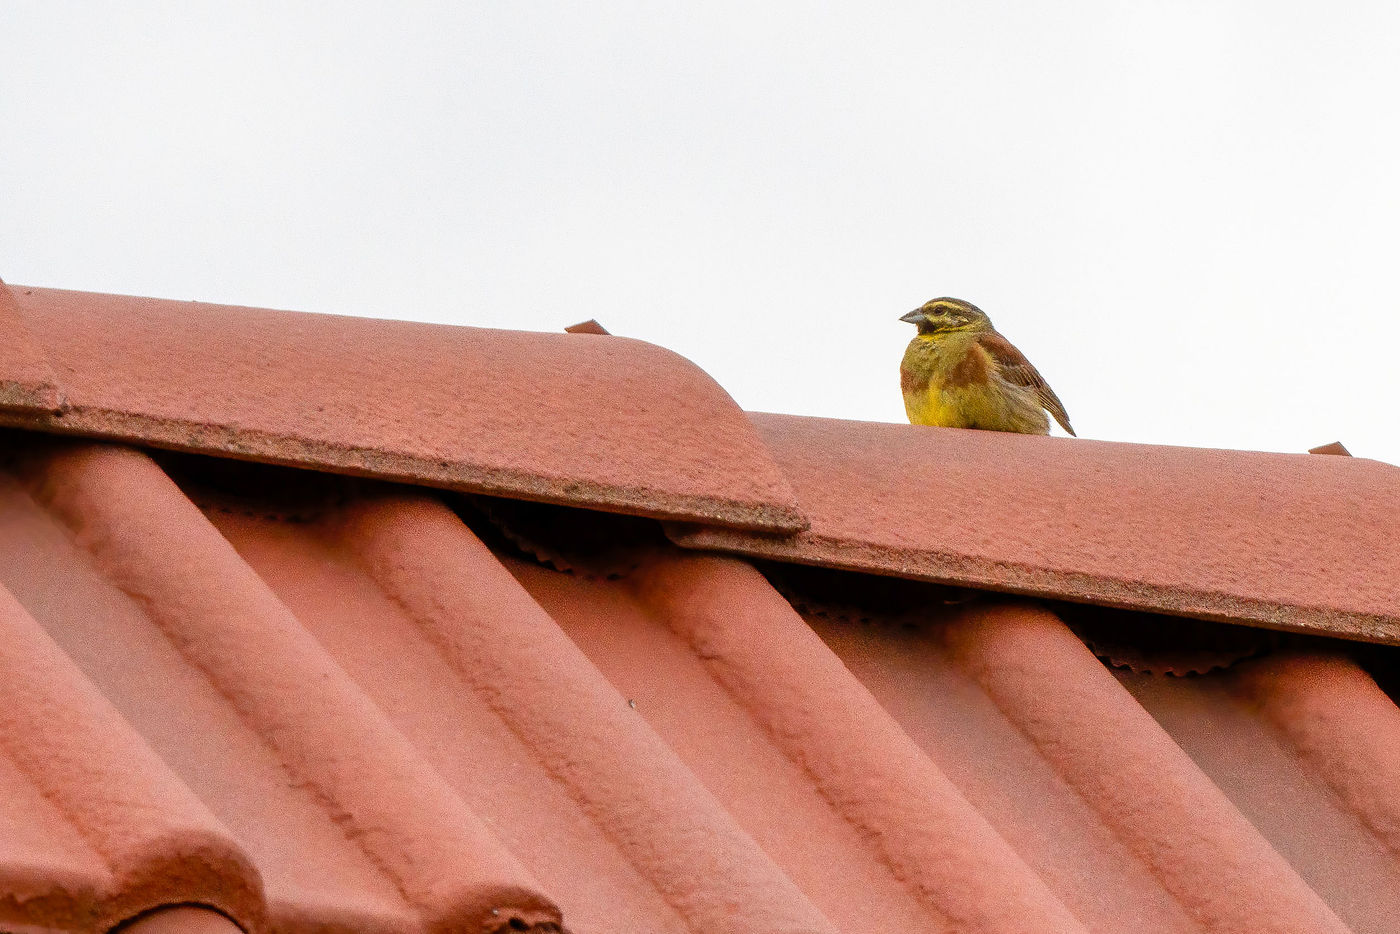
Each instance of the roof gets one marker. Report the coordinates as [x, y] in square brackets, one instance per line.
[607, 423]
[315, 702]
[1287, 541]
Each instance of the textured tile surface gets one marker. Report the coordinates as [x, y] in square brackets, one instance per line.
[606, 422]
[27, 382]
[1296, 542]
[349, 712]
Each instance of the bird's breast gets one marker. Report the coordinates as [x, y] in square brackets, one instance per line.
[950, 383]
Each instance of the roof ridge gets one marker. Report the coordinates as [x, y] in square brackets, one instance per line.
[615, 424]
[1280, 541]
[27, 378]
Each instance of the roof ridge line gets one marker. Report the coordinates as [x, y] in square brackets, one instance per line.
[619, 425]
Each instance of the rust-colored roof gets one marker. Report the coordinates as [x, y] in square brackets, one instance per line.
[26, 380]
[300, 702]
[566, 418]
[359, 717]
[1290, 541]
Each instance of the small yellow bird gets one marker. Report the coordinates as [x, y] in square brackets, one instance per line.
[960, 373]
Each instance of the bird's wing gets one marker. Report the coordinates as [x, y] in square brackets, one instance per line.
[1017, 370]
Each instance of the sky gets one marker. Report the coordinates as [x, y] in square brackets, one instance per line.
[1186, 214]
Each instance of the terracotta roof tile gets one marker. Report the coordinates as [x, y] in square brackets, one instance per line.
[380, 724]
[1286, 541]
[245, 696]
[1282, 737]
[568, 418]
[878, 801]
[26, 380]
[115, 830]
[261, 675]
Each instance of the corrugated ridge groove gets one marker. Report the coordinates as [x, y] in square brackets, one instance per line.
[158, 840]
[513, 655]
[1343, 727]
[1143, 787]
[758, 648]
[138, 527]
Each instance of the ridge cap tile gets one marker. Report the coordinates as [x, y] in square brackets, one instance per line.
[619, 424]
[27, 381]
[1284, 541]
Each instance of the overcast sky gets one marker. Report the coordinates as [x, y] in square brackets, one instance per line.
[1187, 214]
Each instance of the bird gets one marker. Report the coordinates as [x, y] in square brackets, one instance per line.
[960, 372]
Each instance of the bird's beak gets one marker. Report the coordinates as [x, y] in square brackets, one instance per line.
[914, 317]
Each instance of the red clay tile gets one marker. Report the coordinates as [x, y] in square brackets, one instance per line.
[100, 829]
[1141, 785]
[760, 651]
[1308, 749]
[192, 622]
[1277, 540]
[614, 424]
[27, 381]
[500, 651]
[1126, 829]
[1341, 725]
[388, 727]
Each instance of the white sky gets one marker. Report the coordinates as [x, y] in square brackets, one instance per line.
[1185, 213]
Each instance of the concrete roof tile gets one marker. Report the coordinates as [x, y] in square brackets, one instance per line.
[1149, 793]
[245, 696]
[273, 679]
[1281, 736]
[386, 725]
[610, 423]
[115, 831]
[1286, 541]
[756, 646]
[27, 382]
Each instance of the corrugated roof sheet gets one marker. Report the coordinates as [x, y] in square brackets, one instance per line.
[1290, 541]
[316, 703]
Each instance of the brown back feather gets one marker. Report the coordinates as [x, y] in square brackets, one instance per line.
[1017, 370]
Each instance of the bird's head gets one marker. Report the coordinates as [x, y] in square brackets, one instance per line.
[945, 315]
